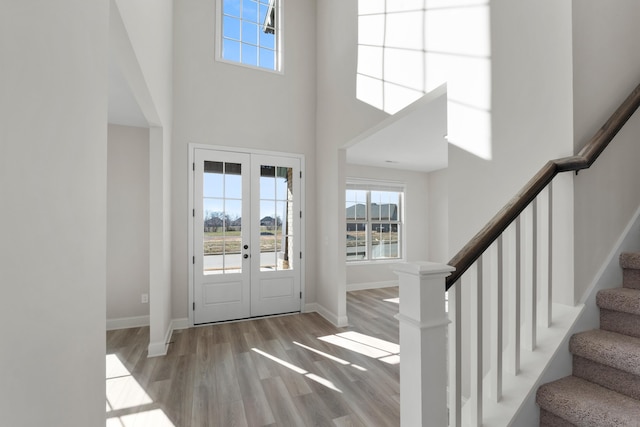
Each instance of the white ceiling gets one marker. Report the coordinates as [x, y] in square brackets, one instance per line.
[412, 139]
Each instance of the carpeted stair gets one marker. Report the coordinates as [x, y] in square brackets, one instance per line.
[604, 389]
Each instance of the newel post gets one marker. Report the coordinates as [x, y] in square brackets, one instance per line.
[423, 343]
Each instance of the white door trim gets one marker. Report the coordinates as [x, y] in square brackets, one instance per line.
[190, 206]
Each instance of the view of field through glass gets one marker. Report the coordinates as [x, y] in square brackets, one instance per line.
[223, 232]
[373, 225]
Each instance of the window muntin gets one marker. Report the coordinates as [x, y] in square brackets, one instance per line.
[250, 33]
[374, 223]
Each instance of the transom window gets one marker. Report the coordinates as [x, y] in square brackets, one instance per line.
[374, 222]
[249, 33]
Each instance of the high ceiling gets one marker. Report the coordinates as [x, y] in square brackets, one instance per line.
[412, 139]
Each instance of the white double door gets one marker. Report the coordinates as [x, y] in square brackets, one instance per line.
[247, 248]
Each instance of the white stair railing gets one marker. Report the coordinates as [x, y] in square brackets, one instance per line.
[517, 276]
[495, 346]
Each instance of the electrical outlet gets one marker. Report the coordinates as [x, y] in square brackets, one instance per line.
[144, 299]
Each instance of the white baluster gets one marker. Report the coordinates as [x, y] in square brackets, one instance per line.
[455, 356]
[515, 303]
[550, 255]
[475, 353]
[496, 325]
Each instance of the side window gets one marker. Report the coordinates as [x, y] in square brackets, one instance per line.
[374, 222]
[249, 32]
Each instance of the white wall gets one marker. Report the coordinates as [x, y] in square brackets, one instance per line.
[230, 105]
[339, 118]
[53, 156]
[530, 112]
[438, 217]
[127, 222]
[149, 28]
[606, 69]
[416, 224]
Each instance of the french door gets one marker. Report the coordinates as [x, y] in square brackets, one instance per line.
[247, 248]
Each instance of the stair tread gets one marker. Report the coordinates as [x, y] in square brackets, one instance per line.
[626, 300]
[630, 260]
[609, 348]
[584, 403]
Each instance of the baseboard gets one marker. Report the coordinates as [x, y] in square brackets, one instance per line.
[182, 323]
[157, 349]
[160, 348]
[371, 285]
[127, 322]
[338, 321]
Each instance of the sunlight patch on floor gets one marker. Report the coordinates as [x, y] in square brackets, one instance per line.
[124, 392]
[325, 382]
[366, 345]
[330, 357]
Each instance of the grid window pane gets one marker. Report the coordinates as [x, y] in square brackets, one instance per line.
[267, 59]
[373, 224]
[267, 40]
[231, 50]
[248, 32]
[231, 7]
[356, 241]
[249, 54]
[250, 10]
[231, 28]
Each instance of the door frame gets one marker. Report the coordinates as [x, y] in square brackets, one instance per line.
[191, 223]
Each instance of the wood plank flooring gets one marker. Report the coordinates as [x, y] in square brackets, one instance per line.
[296, 370]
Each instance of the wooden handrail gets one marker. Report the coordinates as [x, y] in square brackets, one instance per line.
[583, 160]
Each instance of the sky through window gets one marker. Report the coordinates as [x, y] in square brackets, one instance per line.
[250, 33]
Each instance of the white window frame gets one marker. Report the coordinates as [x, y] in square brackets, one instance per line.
[374, 185]
[279, 42]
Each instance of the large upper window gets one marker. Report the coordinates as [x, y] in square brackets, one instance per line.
[374, 222]
[249, 33]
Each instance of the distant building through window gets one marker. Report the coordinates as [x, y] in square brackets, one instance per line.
[249, 33]
[374, 221]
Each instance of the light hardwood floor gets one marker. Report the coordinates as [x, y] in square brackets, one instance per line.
[296, 370]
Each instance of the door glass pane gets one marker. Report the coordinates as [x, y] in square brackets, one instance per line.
[233, 181]
[276, 217]
[213, 179]
[222, 217]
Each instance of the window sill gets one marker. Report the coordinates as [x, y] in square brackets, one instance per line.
[376, 262]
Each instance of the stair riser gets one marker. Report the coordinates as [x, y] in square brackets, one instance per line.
[547, 419]
[631, 278]
[611, 378]
[622, 323]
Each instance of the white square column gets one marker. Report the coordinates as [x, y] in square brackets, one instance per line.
[423, 343]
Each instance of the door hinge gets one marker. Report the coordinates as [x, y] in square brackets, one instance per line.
[300, 254]
[193, 260]
[193, 212]
[194, 166]
[300, 214]
[194, 306]
[300, 294]
[300, 174]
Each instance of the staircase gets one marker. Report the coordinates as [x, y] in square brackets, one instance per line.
[604, 389]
